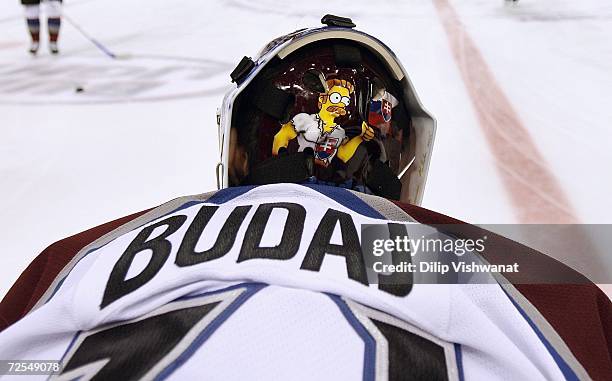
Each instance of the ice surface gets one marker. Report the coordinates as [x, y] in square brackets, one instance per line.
[143, 130]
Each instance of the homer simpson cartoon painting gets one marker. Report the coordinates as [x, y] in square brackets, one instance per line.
[320, 131]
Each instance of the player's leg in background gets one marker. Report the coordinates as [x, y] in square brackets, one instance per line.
[54, 22]
[32, 15]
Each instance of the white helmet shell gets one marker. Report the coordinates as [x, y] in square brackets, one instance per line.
[413, 176]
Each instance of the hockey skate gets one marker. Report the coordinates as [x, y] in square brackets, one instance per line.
[34, 47]
[53, 47]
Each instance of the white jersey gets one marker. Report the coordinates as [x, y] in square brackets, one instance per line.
[262, 283]
[309, 128]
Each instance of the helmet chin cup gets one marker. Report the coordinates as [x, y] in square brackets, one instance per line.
[309, 161]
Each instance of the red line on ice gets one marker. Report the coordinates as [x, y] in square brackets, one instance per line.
[534, 191]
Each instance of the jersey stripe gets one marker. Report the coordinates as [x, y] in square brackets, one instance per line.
[567, 371]
[346, 199]
[369, 353]
[459, 361]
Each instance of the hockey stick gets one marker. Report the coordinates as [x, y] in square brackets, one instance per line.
[98, 44]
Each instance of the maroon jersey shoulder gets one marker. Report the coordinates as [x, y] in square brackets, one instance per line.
[39, 275]
[577, 309]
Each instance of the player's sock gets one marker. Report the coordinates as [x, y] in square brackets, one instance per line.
[34, 28]
[54, 28]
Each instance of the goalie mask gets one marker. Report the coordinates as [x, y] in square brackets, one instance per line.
[329, 105]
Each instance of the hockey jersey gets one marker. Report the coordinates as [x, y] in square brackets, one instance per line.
[263, 283]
